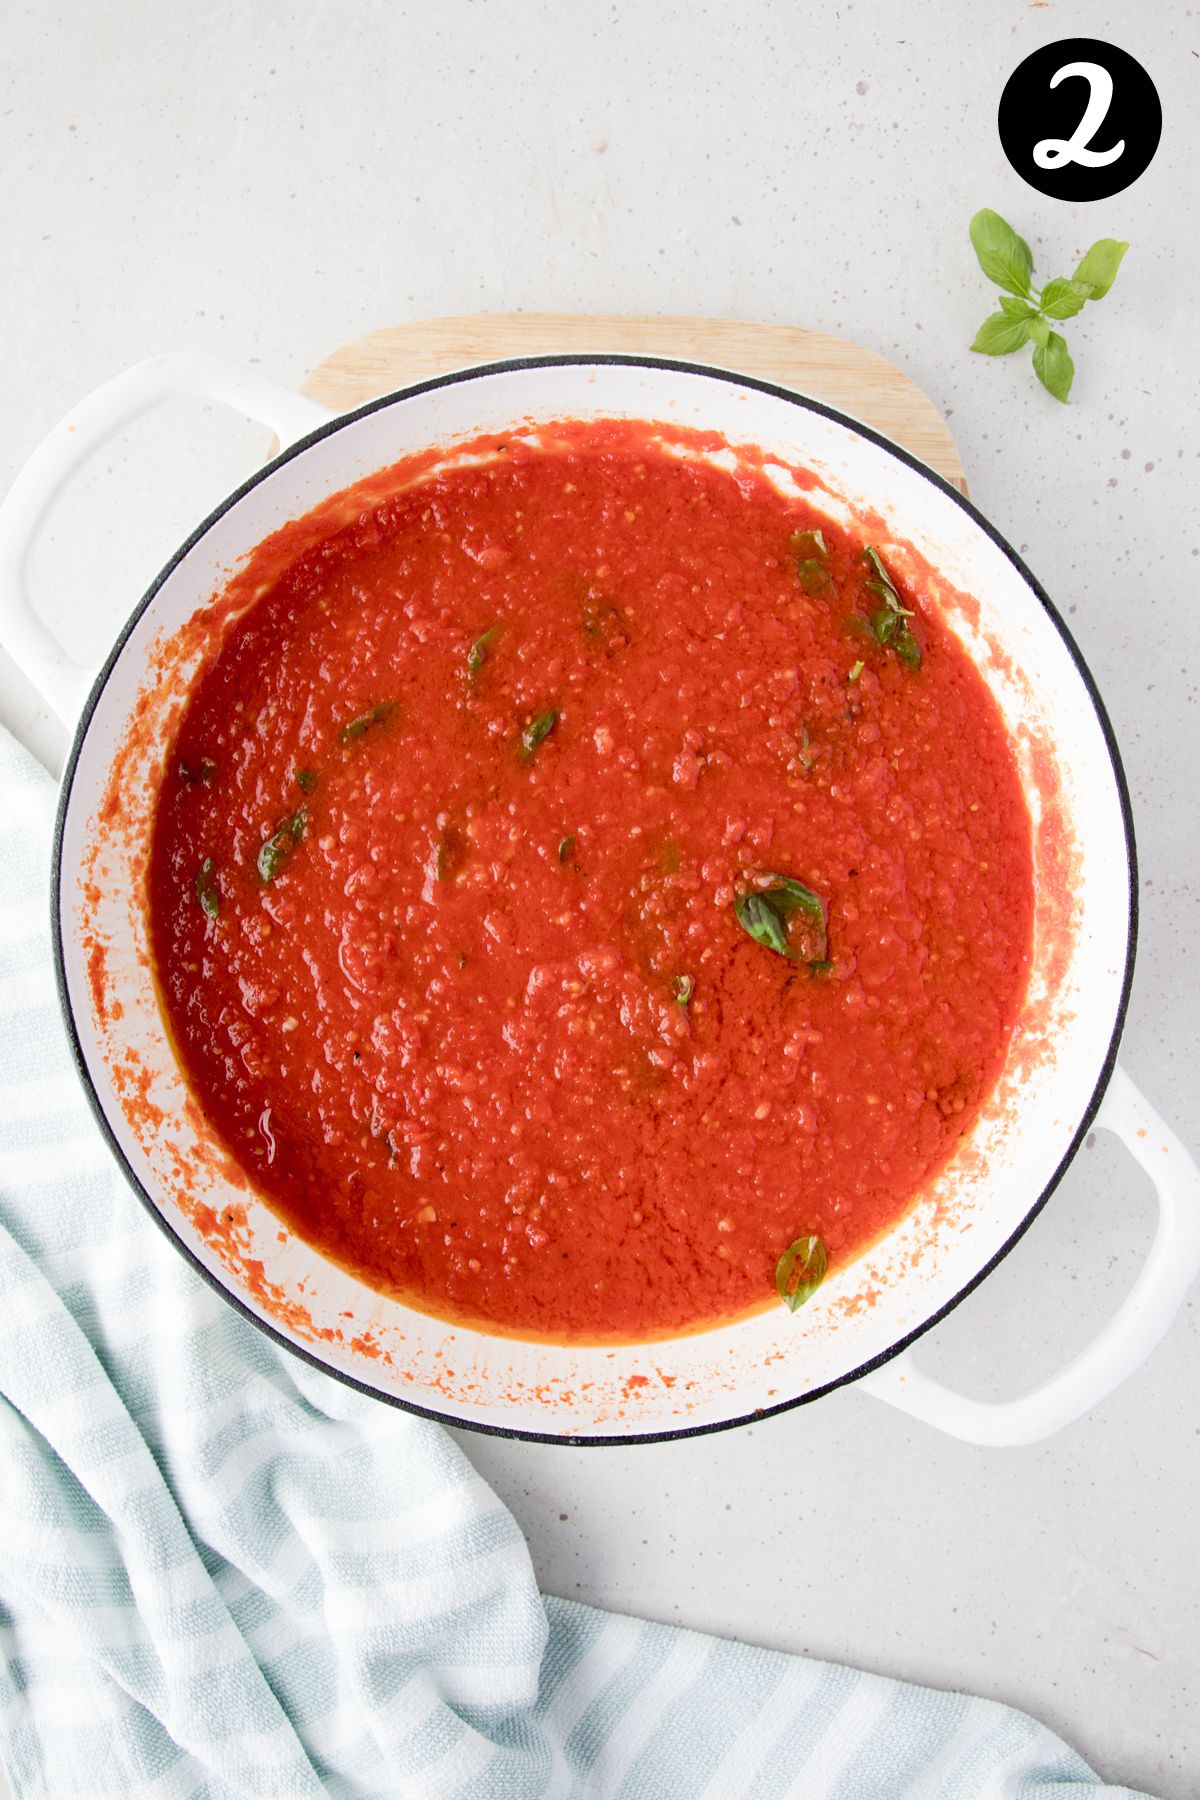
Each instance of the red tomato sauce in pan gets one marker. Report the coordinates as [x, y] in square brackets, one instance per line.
[461, 872]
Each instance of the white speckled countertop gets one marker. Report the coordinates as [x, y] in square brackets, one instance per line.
[270, 181]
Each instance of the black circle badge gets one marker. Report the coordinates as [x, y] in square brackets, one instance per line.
[1080, 119]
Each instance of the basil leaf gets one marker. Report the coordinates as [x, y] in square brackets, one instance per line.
[683, 987]
[1098, 270]
[1004, 257]
[306, 779]
[1015, 308]
[756, 916]
[477, 655]
[279, 846]
[208, 893]
[1062, 299]
[536, 731]
[764, 915]
[1039, 331]
[888, 624]
[858, 668]
[566, 848]
[788, 896]
[882, 582]
[809, 543]
[374, 715]
[872, 557]
[999, 336]
[907, 648]
[884, 585]
[815, 578]
[1053, 366]
[800, 1272]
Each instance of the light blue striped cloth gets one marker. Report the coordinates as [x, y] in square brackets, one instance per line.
[221, 1573]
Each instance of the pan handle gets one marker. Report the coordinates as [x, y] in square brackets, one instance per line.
[1125, 1342]
[62, 683]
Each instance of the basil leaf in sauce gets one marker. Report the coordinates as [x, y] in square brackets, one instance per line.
[375, 715]
[811, 551]
[566, 848]
[477, 655]
[758, 918]
[279, 846]
[764, 916]
[800, 1271]
[907, 648]
[536, 731]
[809, 543]
[857, 670]
[815, 578]
[889, 624]
[207, 891]
[683, 987]
[306, 779]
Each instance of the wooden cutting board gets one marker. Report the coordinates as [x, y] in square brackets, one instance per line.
[832, 369]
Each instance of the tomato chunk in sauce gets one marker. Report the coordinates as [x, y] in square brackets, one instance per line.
[449, 881]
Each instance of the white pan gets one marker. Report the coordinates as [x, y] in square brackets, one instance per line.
[1061, 1077]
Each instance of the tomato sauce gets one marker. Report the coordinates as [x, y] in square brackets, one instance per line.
[461, 874]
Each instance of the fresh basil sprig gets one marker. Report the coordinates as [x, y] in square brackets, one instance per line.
[889, 622]
[766, 915]
[1024, 315]
[800, 1271]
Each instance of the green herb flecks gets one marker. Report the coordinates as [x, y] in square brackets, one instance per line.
[536, 732]
[811, 552]
[375, 715]
[477, 655]
[566, 848]
[208, 892]
[785, 916]
[800, 1272]
[306, 779]
[683, 987]
[856, 671]
[889, 622]
[279, 846]
[1024, 313]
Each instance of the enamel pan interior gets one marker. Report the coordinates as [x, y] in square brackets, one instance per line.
[970, 1215]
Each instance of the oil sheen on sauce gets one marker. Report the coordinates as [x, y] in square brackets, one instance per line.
[443, 883]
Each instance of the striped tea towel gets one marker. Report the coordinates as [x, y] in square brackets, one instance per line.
[222, 1573]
